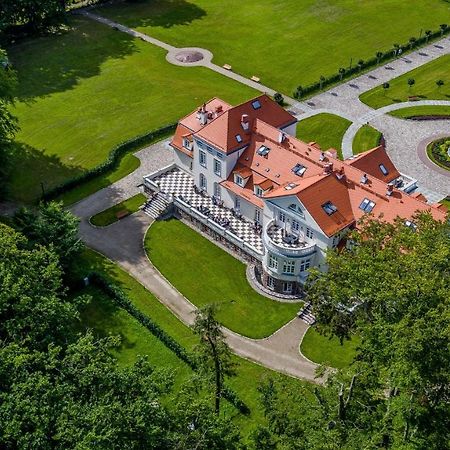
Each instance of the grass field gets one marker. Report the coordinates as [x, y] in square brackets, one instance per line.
[105, 319]
[366, 138]
[325, 129]
[425, 87]
[85, 91]
[204, 273]
[330, 352]
[412, 111]
[287, 43]
[109, 216]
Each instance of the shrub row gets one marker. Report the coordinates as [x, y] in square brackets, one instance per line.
[347, 72]
[110, 163]
[116, 294]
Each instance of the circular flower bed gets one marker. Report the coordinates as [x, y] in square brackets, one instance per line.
[439, 152]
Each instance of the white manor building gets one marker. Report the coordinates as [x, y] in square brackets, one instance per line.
[241, 175]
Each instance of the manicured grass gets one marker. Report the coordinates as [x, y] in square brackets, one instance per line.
[366, 138]
[325, 129]
[287, 43]
[205, 273]
[330, 352]
[425, 87]
[105, 318]
[109, 216]
[414, 111]
[83, 92]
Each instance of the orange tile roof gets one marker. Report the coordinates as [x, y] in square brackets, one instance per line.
[177, 140]
[192, 122]
[222, 131]
[370, 161]
[245, 192]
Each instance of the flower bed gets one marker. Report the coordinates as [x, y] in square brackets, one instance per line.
[439, 152]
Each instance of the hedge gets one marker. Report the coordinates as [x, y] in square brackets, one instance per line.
[301, 91]
[116, 294]
[110, 163]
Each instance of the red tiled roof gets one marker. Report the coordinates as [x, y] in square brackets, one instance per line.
[177, 140]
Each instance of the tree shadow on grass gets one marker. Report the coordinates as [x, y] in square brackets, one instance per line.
[29, 167]
[56, 63]
[163, 13]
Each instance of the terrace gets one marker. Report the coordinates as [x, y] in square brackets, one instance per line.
[178, 187]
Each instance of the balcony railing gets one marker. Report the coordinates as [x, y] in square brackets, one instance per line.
[273, 242]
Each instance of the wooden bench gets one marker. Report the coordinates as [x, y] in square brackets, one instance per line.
[413, 98]
[121, 214]
[227, 67]
[255, 78]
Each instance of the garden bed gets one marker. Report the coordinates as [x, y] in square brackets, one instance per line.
[438, 152]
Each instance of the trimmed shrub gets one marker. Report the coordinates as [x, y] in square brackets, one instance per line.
[110, 163]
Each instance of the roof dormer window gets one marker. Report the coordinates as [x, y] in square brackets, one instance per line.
[367, 205]
[383, 169]
[238, 180]
[290, 186]
[258, 191]
[329, 208]
[239, 138]
[299, 169]
[256, 104]
[263, 150]
[186, 143]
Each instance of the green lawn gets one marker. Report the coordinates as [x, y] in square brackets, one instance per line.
[412, 111]
[325, 129]
[425, 87]
[330, 352]
[109, 216]
[205, 273]
[287, 43]
[105, 318]
[83, 92]
[446, 202]
[366, 138]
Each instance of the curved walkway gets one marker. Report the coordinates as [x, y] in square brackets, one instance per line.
[347, 140]
[122, 242]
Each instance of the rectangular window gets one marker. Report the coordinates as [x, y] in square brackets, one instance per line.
[258, 191]
[282, 217]
[237, 203]
[304, 265]
[273, 262]
[287, 287]
[257, 215]
[270, 283]
[309, 233]
[202, 157]
[217, 167]
[217, 192]
[238, 179]
[210, 149]
[295, 225]
[367, 205]
[288, 267]
[200, 144]
[256, 104]
[329, 208]
[239, 138]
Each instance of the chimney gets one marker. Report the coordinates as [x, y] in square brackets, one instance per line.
[340, 173]
[244, 122]
[281, 137]
[219, 109]
[390, 190]
[364, 179]
[203, 115]
[322, 156]
[328, 168]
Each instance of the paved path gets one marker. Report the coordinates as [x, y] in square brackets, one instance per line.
[122, 242]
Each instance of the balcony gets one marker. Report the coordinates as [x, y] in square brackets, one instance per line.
[278, 241]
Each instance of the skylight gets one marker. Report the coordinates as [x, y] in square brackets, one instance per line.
[299, 170]
[290, 186]
[263, 150]
[383, 169]
[367, 205]
[256, 104]
[329, 208]
[239, 138]
[364, 179]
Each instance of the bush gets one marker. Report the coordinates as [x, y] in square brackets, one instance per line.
[279, 98]
[116, 294]
[111, 162]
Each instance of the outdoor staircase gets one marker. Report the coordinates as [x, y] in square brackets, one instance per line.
[156, 206]
[306, 315]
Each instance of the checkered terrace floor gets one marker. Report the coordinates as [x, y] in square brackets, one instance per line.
[181, 185]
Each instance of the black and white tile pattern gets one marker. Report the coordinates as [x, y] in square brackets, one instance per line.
[181, 185]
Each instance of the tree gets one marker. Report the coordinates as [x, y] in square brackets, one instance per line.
[391, 287]
[341, 72]
[213, 353]
[412, 41]
[298, 92]
[279, 98]
[321, 81]
[360, 64]
[396, 49]
[8, 123]
[411, 82]
[428, 33]
[443, 27]
[439, 83]
[379, 56]
[51, 226]
[386, 86]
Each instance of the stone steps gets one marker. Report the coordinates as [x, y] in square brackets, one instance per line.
[306, 315]
[156, 206]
